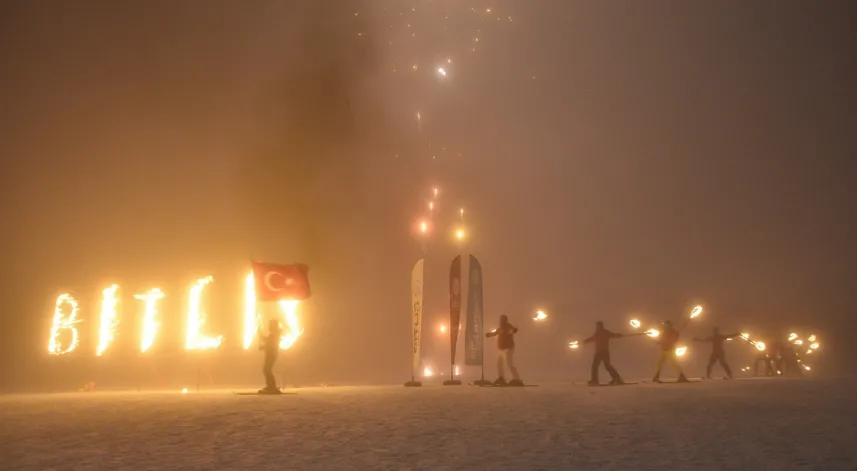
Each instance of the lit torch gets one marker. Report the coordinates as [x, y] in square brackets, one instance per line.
[290, 310]
[251, 318]
[62, 322]
[697, 310]
[150, 317]
[574, 344]
[653, 333]
[811, 338]
[196, 318]
[109, 319]
[540, 316]
[680, 351]
[792, 336]
[635, 324]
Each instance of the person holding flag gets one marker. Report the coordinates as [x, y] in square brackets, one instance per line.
[602, 338]
[505, 333]
[277, 283]
[718, 352]
[668, 340]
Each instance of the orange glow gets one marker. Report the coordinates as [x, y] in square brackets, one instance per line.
[697, 310]
[290, 311]
[251, 318]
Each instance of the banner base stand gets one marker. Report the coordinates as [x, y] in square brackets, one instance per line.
[482, 382]
[452, 382]
[413, 384]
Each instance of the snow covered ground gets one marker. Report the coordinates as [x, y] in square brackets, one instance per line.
[743, 424]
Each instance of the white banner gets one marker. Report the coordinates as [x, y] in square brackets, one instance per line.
[417, 313]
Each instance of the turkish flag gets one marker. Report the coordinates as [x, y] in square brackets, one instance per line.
[281, 282]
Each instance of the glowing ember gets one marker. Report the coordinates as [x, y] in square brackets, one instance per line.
[806, 367]
[427, 372]
[798, 342]
[635, 323]
[653, 333]
[814, 346]
[811, 338]
[63, 322]
[150, 317]
[442, 329]
[697, 310]
[574, 344]
[540, 316]
[251, 318]
[792, 336]
[196, 319]
[809, 352]
[760, 346]
[423, 227]
[680, 351]
[460, 234]
[290, 310]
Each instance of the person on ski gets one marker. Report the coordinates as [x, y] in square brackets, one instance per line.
[270, 344]
[718, 352]
[668, 340]
[505, 333]
[602, 337]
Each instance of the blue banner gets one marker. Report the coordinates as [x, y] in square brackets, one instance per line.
[473, 344]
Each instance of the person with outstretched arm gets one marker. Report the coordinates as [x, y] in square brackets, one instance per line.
[505, 333]
[270, 344]
[668, 340]
[602, 337]
[718, 352]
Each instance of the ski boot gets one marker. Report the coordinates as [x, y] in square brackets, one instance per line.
[499, 382]
[516, 382]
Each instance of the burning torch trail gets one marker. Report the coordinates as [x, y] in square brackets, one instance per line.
[109, 319]
[251, 318]
[196, 318]
[150, 317]
[290, 309]
[63, 322]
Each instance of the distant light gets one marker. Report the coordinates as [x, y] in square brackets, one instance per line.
[635, 323]
[443, 328]
[428, 372]
[540, 316]
[184, 391]
[441, 71]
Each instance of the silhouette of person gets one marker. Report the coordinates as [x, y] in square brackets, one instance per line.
[602, 337]
[718, 352]
[270, 344]
[505, 333]
[668, 340]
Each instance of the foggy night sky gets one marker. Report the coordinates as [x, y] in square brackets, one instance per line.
[616, 157]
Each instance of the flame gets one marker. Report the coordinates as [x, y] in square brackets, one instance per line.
[635, 323]
[653, 333]
[428, 372]
[184, 390]
[745, 336]
[814, 346]
[196, 319]
[540, 316]
[150, 317]
[460, 234]
[811, 338]
[442, 329]
[423, 227]
[680, 351]
[109, 319]
[806, 367]
[798, 342]
[290, 309]
[697, 310]
[809, 352]
[61, 322]
[574, 344]
[251, 318]
[792, 336]
[760, 346]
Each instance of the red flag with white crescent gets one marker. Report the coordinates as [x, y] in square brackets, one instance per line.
[276, 282]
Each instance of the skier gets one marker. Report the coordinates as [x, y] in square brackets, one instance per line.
[602, 337]
[718, 353]
[668, 340]
[270, 344]
[506, 345]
